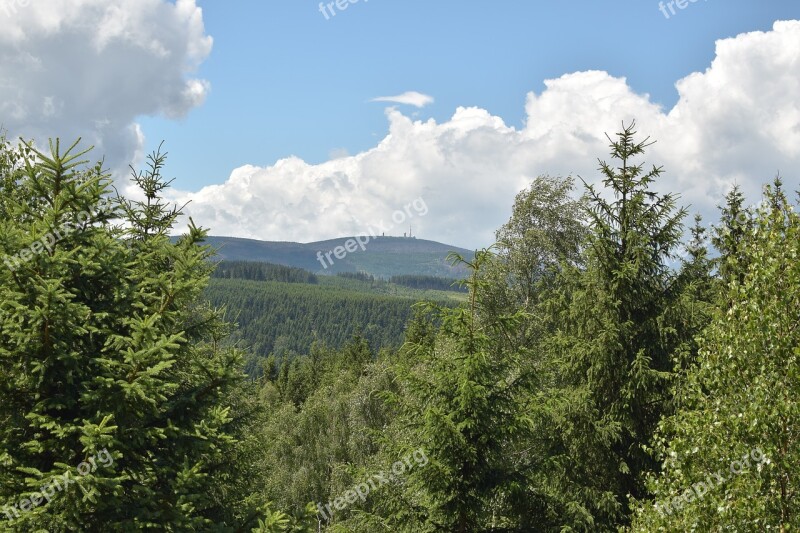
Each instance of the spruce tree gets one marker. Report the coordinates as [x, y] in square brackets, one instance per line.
[459, 398]
[696, 288]
[611, 345]
[730, 237]
[108, 357]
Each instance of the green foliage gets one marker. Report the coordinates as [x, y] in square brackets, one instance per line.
[741, 398]
[323, 425]
[12, 163]
[361, 276]
[285, 319]
[731, 235]
[547, 229]
[428, 282]
[253, 271]
[105, 349]
[696, 289]
[459, 399]
[384, 287]
[586, 382]
[612, 344]
[280, 522]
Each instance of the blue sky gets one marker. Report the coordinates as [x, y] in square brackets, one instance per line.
[268, 109]
[287, 81]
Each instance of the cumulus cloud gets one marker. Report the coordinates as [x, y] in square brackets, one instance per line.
[408, 98]
[89, 67]
[737, 122]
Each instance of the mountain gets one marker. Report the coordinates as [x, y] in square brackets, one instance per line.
[381, 257]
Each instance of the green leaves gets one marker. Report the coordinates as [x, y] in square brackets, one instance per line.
[742, 393]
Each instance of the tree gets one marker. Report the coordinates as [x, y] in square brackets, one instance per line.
[458, 399]
[731, 234]
[611, 345]
[731, 455]
[696, 288]
[546, 228]
[11, 164]
[314, 450]
[107, 351]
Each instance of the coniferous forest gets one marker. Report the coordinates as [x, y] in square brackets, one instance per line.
[616, 364]
[255, 271]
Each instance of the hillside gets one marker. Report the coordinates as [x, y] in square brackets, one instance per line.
[382, 257]
[285, 318]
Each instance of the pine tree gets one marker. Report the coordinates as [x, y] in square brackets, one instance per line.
[697, 289]
[106, 352]
[459, 400]
[611, 347]
[11, 163]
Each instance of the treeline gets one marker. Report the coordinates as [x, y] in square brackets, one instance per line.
[428, 282]
[360, 276]
[256, 271]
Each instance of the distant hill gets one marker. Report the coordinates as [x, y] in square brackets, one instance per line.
[382, 257]
[285, 318]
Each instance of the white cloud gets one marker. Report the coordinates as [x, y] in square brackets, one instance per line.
[737, 122]
[90, 67]
[408, 98]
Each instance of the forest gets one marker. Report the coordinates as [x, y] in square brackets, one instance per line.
[284, 320]
[255, 271]
[616, 364]
[428, 282]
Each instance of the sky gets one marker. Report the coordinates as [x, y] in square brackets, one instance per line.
[301, 121]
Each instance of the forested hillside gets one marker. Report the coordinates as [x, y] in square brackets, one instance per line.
[255, 271]
[284, 319]
[611, 368]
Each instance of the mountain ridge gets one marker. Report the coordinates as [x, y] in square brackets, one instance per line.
[381, 256]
